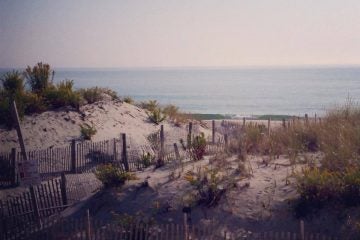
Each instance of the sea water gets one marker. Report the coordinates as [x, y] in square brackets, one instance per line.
[242, 91]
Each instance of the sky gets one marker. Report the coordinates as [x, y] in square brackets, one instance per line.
[179, 33]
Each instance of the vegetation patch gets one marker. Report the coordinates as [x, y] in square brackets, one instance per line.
[112, 176]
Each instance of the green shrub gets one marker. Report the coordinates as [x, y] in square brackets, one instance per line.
[62, 95]
[13, 83]
[318, 187]
[150, 105]
[112, 176]
[198, 147]
[253, 136]
[156, 116]
[96, 94]
[351, 187]
[171, 111]
[34, 103]
[208, 185]
[129, 100]
[38, 77]
[146, 159]
[87, 131]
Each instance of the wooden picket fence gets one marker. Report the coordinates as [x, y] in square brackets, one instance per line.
[87, 228]
[82, 157]
[8, 176]
[34, 204]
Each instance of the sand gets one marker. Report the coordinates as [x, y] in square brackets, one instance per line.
[258, 203]
[110, 118]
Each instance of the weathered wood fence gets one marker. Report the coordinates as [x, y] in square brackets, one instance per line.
[89, 229]
[33, 204]
[80, 157]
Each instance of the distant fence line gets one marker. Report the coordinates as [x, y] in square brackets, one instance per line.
[86, 228]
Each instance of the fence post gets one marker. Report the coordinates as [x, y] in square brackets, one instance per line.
[186, 227]
[284, 123]
[177, 154]
[226, 141]
[63, 189]
[73, 156]
[114, 151]
[35, 205]
[302, 230]
[124, 153]
[315, 118]
[15, 116]
[244, 121]
[189, 135]
[162, 140]
[269, 122]
[306, 118]
[88, 225]
[213, 131]
[13, 167]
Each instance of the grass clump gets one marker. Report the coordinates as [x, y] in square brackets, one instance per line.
[87, 131]
[61, 95]
[318, 187]
[156, 116]
[207, 184]
[197, 147]
[96, 94]
[112, 176]
[129, 100]
[146, 159]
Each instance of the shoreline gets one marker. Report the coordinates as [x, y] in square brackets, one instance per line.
[216, 116]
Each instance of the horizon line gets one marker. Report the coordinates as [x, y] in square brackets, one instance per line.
[206, 67]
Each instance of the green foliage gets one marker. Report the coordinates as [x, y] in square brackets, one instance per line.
[95, 94]
[318, 187]
[13, 83]
[147, 158]
[253, 136]
[129, 100]
[156, 116]
[38, 77]
[171, 111]
[87, 131]
[198, 147]
[150, 105]
[34, 103]
[62, 95]
[112, 176]
[208, 185]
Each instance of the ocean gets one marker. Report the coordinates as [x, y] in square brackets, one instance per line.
[241, 92]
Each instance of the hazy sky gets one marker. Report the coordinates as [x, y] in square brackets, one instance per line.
[175, 33]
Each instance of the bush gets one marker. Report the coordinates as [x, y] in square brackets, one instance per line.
[198, 147]
[96, 94]
[253, 136]
[146, 159]
[62, 95]
[150, 105]
[318, 187]
[112, 176]
[129, 100]
[156, 116]
[171, 111]
[38, 77]
[87, 131]
[13, 83]
[208, 185]
[34, 103]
